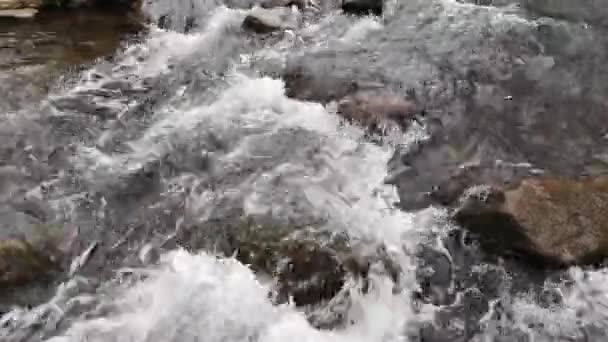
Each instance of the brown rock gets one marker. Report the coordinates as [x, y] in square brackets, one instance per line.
[555, 221]
[375, 111]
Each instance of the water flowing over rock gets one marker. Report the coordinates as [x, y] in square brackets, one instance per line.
[152, 152]
[561, 221]
[375, 111]
[308, 266]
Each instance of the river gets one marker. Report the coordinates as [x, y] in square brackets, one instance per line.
[187, 125]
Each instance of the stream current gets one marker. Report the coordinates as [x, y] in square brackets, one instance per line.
[188, 125]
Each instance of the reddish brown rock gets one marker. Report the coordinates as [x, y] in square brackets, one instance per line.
[557, 221]
[374, 111]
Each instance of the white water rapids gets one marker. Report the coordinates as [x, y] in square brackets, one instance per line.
[279, 157]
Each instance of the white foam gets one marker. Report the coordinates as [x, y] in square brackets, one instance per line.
[203, 298]
[163, 48]
[211, 303]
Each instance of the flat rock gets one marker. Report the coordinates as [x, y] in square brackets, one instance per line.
[557, 221]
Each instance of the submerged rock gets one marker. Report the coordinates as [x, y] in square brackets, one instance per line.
[375, 111]
[363, 7]
[263, 20]
[552, 220]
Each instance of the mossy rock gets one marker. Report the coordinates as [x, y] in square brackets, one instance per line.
[307, 265]
[21, 263]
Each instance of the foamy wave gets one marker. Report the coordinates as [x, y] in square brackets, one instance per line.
[201, 297]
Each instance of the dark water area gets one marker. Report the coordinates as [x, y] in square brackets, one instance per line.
[153, 144]
[36, 51]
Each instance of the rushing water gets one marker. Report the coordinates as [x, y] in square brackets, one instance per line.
[187, 127]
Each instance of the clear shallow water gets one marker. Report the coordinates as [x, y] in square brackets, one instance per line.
[183, 129]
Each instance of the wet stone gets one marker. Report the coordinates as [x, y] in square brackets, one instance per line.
[305, 269]
[554, 221]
